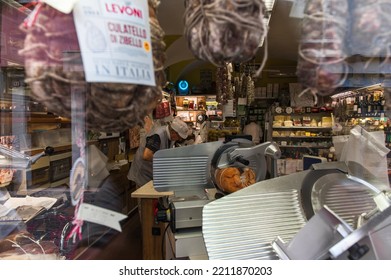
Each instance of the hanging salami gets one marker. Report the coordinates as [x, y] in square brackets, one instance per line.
[370, 35]
[321, 65]
[222, 31]
[54, 69]
[222, 84]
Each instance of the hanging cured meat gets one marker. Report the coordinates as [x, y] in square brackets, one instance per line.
[370, 35]
[54, 70]
[222, 84]
[222, 31]
[321, 64]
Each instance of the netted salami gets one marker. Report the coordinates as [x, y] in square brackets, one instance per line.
[321, 65]
[370, 28]
[54, 69]
[222, 85]
[222, 31]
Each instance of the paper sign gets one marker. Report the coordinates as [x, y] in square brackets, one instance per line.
[242, 101]
[297, 10]
[99, 215]
[229, 109]
[115, 41]
[61, 5]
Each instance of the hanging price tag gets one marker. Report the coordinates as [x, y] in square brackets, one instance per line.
[99, 215]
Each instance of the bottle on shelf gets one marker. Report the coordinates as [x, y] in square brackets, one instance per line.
[382, 101]
[377, 102]
[191, 105]
[344, 104]
[355, 106]
[364, 109]
[373, 102]
[370, 105]
[186, 104]
[360, 106]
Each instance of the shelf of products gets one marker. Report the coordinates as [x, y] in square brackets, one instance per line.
[191, 103]
[299, 133]
[193, 109]
[189, 115]
[364, 107]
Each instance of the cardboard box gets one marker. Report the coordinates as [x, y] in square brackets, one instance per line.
[264, 92]
[269, 90]
[276, 90]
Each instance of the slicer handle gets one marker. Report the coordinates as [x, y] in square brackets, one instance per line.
[242, 160]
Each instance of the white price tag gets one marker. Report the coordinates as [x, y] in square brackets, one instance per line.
[63, 6]
[99, 215]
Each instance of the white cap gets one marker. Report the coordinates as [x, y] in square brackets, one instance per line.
[180, 127]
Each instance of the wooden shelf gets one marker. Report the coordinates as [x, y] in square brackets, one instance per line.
[48, 120]
[57, 148]
[33, 121]
[191, 110]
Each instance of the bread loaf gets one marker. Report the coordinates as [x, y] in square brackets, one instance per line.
[248, 177]
[231, 179]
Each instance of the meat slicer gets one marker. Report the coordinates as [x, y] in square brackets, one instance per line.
[328, 234]
[189, 172]
[334, 210]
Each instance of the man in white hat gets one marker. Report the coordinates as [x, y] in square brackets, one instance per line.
[253, 129]
[162, 137]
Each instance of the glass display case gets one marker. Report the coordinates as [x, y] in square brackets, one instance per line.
[79, 86]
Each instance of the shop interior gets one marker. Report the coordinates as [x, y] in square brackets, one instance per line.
[321, 161]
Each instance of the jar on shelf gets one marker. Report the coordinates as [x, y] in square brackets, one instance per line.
[191, 105]
[186, 104]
